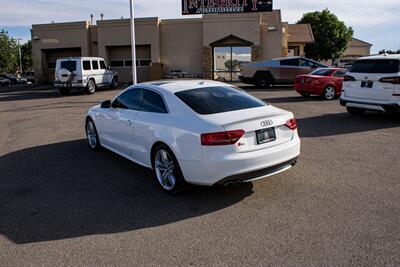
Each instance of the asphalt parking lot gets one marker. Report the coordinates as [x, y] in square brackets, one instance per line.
[62, 204]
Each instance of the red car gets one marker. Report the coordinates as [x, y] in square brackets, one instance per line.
[326, 82]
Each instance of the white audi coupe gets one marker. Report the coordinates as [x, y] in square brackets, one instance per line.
[195, 131]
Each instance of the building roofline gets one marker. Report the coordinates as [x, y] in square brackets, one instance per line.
[362, 41]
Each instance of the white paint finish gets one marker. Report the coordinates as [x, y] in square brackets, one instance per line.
[181, 128]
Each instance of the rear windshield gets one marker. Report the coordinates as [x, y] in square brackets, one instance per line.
[321, 72]
[376, 66]
[69, 65]
[218, 99]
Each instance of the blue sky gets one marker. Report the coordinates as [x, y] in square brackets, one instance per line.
[377, 22]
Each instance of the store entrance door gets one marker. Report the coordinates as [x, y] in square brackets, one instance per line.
[228, 61]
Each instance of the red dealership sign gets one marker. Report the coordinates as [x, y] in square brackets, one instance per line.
[192, 7]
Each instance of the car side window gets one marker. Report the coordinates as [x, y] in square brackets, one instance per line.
[306, 63]
[103, 65]
[290, 62]
[86, 65]
[340, 73]
[95, 64]
[131, 99]
[153, 102]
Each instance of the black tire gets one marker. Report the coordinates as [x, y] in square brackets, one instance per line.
[91, 135]
[329, 93]
[114, 82]
[263, 81]
[91, 87]
[355, 111]
[180, 183]
[64, 90]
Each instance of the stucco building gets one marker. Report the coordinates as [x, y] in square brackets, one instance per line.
[210, 47]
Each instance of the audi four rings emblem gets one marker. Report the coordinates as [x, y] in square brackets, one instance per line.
[266, 123]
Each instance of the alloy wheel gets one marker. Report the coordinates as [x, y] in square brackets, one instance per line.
[91, 134]
[329, 93]
[164, 165]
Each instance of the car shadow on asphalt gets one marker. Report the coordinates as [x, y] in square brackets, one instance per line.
[31, 92]
[344, 123]
[292, 99]
[254, 89]
[65, 190]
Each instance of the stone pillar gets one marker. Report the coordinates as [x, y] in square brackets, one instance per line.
[207, 62]
[255, 53]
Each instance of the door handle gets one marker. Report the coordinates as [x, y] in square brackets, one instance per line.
[129, 122]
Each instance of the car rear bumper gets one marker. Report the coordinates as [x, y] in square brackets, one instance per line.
[69, 85]
[381, 106]
[241, 167]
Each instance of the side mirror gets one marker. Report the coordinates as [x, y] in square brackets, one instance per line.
[106, 104]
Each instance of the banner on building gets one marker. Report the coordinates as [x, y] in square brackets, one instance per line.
[193, 7]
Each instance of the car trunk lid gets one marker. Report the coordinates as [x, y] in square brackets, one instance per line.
[252, 121]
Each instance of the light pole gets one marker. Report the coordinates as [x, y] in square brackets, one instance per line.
[20, 56]
[133, 42]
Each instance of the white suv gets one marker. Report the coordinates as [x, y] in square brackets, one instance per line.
[86, 73]
[373, 83]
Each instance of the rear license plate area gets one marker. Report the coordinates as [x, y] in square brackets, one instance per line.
[367, 84]
[265, 135]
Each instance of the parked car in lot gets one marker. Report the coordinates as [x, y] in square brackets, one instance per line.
[84, 73]
[199, 132]
[4, 81]
[13, 79]
[325, 82]
[29, 76]
[373, 83]
[284, 70]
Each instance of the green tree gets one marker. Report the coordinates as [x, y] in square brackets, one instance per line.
[231, 64]
[331, 35]
[26, 55]
[8, 53]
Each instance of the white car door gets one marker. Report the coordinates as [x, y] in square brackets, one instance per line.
[96, 72]
[106, 74]
[152, 115]
[120, 125]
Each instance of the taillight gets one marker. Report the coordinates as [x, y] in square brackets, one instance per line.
[291, 124]
[394, 80]
[348, 78]
[221, 138]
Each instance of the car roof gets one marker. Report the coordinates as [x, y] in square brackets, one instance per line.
[79, 58]
[283, 58]
[174, 86]
[382, 56]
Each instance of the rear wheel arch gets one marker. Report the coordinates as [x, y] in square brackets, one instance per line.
[264, 73]
[263, 79]
[153, 150]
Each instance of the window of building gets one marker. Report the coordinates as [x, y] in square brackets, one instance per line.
[95, 64]
[117, 63]
[86, 65]
[153, 102]
[144, 62]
